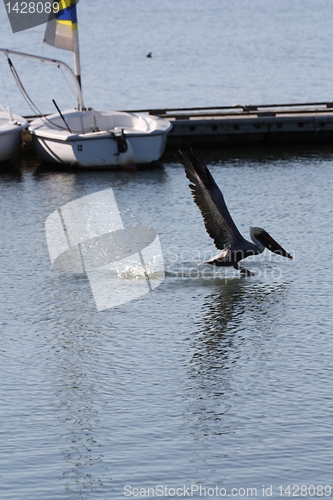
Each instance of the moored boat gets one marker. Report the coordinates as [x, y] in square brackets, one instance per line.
[99, 138]
[11, 127]
[85, 137]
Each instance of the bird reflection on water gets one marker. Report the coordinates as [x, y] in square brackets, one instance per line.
[230, 337]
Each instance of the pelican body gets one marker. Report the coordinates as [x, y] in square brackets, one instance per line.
[218, 222]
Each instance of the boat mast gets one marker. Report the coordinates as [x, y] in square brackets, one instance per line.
[76, 49]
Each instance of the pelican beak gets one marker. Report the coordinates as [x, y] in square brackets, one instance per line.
[271, 244]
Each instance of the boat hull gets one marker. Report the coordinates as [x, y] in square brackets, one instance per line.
[108, 139]
[10, 136]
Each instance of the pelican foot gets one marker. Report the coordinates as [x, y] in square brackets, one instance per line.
[245, 272]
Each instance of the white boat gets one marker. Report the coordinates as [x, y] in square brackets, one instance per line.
[84, 137]
[99, 138]
[11, 127]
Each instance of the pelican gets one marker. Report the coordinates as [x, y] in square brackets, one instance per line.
[218, 222]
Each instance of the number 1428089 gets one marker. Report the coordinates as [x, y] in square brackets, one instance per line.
[304, 490]
[33, 7]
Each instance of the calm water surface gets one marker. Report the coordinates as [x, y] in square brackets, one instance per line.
[210, 53]
[211, 379]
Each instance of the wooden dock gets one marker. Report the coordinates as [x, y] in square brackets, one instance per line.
[250, 125]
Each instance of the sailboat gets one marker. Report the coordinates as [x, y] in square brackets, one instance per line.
[85, 137]
[11, 127]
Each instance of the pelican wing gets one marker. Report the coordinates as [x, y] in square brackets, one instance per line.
[207, 195]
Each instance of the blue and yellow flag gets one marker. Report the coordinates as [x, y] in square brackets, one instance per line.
[60, 29]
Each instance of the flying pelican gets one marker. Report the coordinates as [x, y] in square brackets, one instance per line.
[218, 222]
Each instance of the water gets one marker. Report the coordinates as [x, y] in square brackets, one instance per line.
[211, 379]
[204, 54]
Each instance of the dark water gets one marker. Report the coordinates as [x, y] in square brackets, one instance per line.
[210, 380]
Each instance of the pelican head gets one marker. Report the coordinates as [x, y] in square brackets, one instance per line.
[263, 240]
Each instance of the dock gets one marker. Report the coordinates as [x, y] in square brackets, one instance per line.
[250, 124]
[243, 125]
